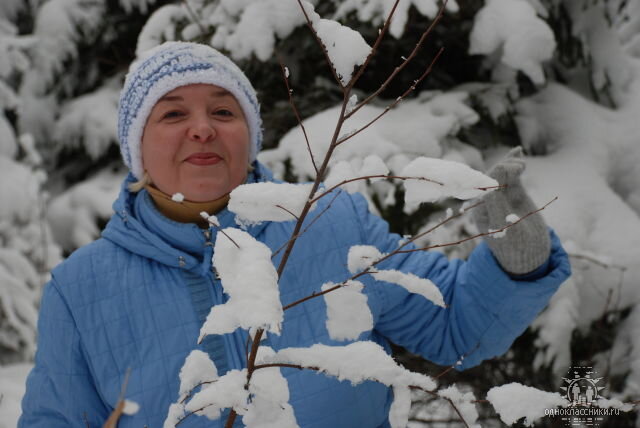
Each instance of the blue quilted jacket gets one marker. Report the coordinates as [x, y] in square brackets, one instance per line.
[134, 300]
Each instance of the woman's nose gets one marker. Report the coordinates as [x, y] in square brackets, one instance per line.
[201, 131]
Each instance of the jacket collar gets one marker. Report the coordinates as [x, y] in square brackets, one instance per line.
[138, 226]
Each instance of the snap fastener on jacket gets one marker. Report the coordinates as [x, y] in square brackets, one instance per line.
[181, 261]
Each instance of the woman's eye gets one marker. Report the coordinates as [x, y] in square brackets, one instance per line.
[223, 112]
[173, 114]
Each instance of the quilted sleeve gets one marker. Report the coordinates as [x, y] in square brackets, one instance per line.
[60, 390]
[486, 308]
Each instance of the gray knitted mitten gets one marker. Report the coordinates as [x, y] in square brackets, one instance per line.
[525, 246]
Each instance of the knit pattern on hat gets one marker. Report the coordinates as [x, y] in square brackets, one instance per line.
[167, 67]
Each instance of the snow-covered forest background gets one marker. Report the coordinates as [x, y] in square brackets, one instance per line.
[559, 77]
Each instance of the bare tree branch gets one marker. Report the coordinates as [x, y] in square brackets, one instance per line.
[404, 63]
[324, 210]
[393, 104]
[374, 48]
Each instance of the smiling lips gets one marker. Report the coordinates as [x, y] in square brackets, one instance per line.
[203, 159]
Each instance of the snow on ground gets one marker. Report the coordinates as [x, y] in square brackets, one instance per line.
[11, 392]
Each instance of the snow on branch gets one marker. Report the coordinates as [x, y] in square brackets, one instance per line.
[458, 181]
[197, 366]
[257, 202]
[250, 280]
[515, 401]
[197, 370]
[227, 392]
[413, 284]
[348, 314]
[463, 403]
[350, 174]
[346, 363]
[345, 48]
[269, 405]
[361, 257]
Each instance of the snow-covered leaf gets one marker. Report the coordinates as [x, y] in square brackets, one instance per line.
[346, 363]
[269, 406]
[413, 284]
[362, 256]
[348, 314]
[227, 392]
[515, 401]
[257, 202]
[452, 179]
[251, 281]
[197, 368]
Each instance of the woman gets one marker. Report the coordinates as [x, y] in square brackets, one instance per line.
[135, 299]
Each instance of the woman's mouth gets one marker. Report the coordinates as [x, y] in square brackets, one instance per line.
[203, 159]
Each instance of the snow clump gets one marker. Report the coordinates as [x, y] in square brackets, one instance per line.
[251, 281]
[348, 314]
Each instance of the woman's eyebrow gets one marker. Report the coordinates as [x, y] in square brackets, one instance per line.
[221, 93]
[171, 98]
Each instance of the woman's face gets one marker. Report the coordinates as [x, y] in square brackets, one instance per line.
[196, 142]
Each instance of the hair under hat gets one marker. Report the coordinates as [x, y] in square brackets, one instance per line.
[167, 67]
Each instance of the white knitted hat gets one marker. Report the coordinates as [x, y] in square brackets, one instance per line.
[167, 67]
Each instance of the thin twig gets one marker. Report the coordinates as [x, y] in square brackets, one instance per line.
[195, 17]
[286, 210]
[324, 210]
[297, 114]
[374, 48]
[217, 226]
[112, 421]
[479, 234]
[397, 100]
[404, 63]
[435, 394]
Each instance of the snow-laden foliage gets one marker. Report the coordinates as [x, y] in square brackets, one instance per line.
[27, 253]
[600, 196]
[75, 213]
[348, 314]
[512, 28]
[378, 10]
[160, 27]
[258, 202]
[90, 121]
[250, 280]
[59, 26]
[515, 401]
